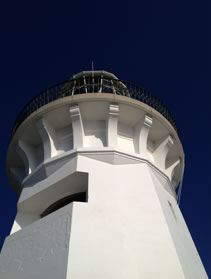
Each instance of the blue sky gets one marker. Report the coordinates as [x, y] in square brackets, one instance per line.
[160, 45]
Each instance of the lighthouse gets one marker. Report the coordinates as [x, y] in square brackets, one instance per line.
[96, 162]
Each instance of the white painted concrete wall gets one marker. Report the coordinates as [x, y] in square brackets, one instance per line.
[125, 230]
[186, 250]
[40, 250]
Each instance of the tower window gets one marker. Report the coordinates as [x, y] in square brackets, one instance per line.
[79, 197]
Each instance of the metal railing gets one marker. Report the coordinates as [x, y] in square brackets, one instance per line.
[89, 84]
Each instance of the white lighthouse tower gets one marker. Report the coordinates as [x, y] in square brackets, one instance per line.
[95, 162]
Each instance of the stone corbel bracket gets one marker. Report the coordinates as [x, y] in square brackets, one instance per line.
[161, 151]
[141, 136]
[171, 170]
[49, 138]
[77, 126]
[27, 154]
[17, 175]
[112, 125]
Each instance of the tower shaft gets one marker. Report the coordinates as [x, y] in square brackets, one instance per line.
[96, 176]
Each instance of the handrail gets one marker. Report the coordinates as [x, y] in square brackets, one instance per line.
[89, 84]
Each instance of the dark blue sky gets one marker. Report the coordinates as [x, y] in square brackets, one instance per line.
[160, 45]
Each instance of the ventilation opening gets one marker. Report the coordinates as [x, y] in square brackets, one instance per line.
[79, 197]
